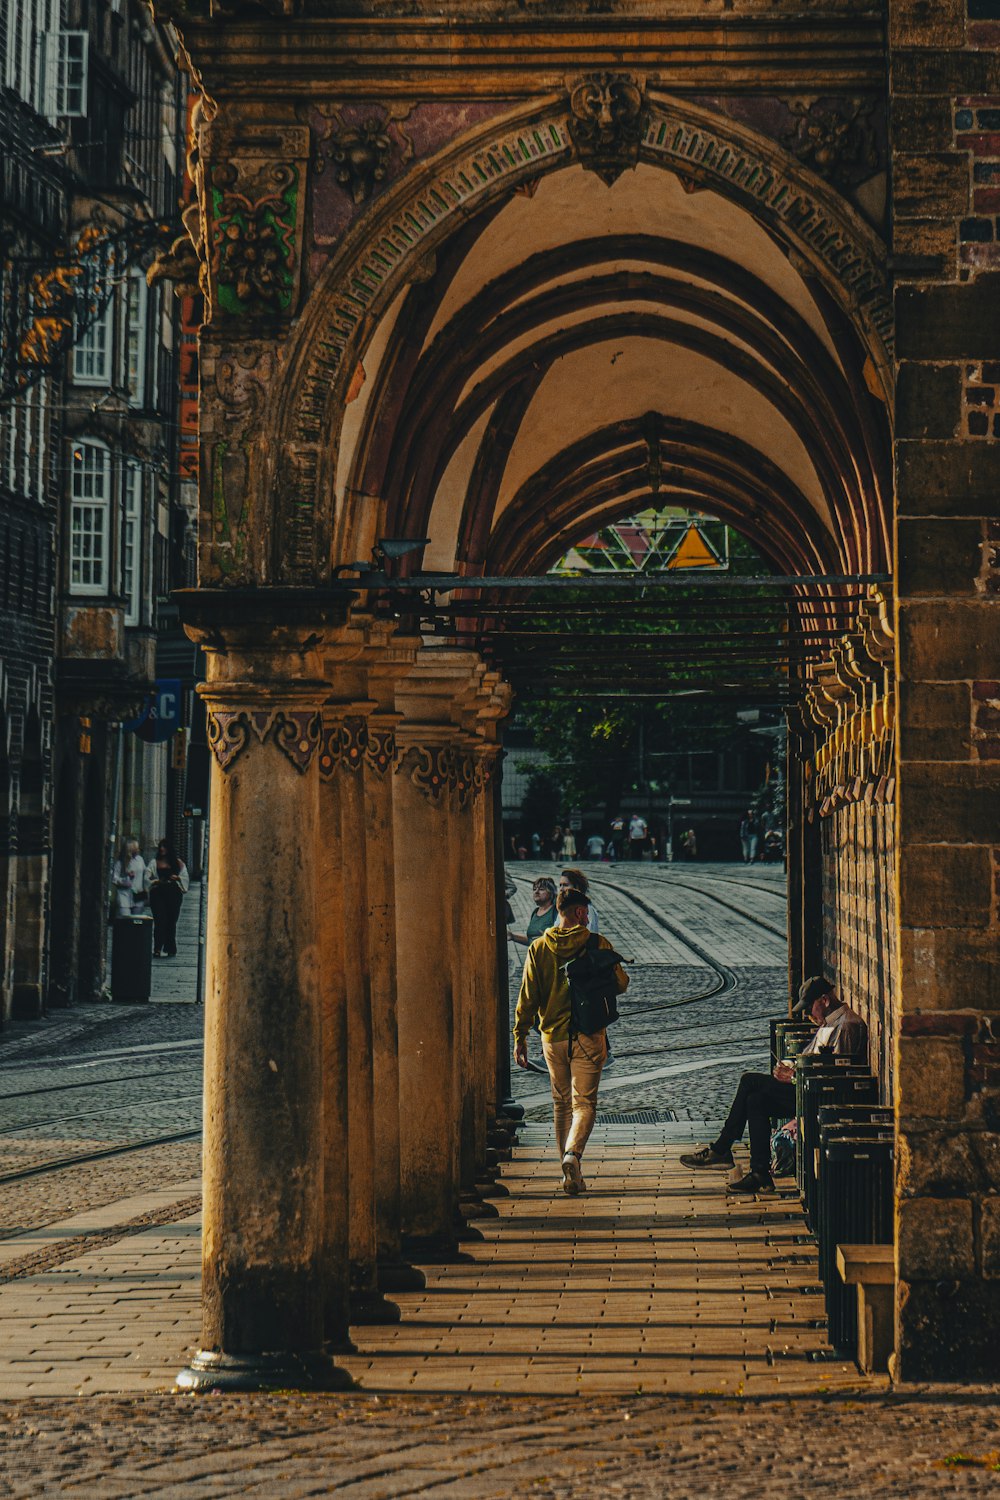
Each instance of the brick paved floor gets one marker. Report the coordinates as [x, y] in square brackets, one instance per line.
[651, 1282]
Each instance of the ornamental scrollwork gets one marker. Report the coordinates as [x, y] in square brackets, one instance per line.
[429, 769]
[228, 735]
[464, 777]
[380, 751]
[353, 742]
[296, 732]
[253, 236]
[606, 122]
[297, 735]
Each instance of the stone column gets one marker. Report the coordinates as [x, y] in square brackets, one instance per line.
[388, 660]
[425, 988]
[367, 1303]
[262, 1254]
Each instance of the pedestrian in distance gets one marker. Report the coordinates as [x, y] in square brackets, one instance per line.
[763, 1097]
[595, 846]
[638, 832]
[749, 836]
[166, 882]
[574, 1061]
[128, 879]
[689, 844]
[556, 843]
[568, 850]
[536, 846]
[543, 893]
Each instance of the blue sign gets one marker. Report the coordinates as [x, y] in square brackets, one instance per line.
[162, 716]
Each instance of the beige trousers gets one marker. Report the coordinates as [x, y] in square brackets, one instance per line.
[575, 1077]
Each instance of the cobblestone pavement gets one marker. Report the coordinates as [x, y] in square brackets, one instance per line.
[922, 1444]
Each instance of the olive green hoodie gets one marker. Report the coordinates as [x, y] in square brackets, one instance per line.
[544, 993]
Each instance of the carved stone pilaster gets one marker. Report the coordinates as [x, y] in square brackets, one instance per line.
[380, 751]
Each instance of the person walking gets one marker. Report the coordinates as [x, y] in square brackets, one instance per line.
[574, 1062]
[749, 836]
[128, 879]
[556, 843]
[166, 882]
[568, 850]
[543, 893]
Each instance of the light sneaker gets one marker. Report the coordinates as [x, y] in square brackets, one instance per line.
[708, 1157]
[573, 1182]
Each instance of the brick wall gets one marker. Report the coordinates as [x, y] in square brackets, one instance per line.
[859, 917]
[945, 136]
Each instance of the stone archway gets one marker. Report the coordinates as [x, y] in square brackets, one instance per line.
[294, 667]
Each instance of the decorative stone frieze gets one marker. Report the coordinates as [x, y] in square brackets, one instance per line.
[296, 733]
[380, 751]
[360, 157]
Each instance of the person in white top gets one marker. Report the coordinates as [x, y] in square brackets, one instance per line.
[128, 879]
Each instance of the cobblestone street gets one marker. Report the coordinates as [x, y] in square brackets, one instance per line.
[649, 1339]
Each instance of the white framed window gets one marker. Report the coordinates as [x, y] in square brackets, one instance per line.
[42, 442]
[90, 518]
[67, 66]
[93, 349]
[132, 542]
[135, 342]
[28, 419]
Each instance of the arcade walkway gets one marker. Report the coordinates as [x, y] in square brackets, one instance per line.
[651, 1283]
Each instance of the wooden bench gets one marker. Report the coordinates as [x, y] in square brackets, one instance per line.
[871, 1269]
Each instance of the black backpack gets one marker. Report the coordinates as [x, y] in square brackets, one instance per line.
[593, 990]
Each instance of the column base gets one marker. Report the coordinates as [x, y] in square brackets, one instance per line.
[371, 1308]
[488, 1187]
[315, 1371]
[435, 1250]
[468, 1234]
[495, 1155]
[472, 1206]
[511, 1110]
[399, 1276]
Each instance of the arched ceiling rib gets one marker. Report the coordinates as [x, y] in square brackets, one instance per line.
[508, 407]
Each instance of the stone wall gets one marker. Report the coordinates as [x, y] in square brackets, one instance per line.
[859, 916]
[945, 140]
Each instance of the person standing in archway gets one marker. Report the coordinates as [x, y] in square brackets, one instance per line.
[574, 1062]
[166, 882]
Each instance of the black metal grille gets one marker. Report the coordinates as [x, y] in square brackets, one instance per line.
[637, 1117]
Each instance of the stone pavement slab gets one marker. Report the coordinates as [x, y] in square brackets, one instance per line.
[650, 1283]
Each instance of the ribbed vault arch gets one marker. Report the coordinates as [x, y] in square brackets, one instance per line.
[456, 400]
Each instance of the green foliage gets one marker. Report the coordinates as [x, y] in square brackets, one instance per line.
[541, 807]
[601, 749]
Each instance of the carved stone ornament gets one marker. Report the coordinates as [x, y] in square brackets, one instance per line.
[430, 768]
[360, 155]
[353, 742]
[380, 752]
[255, 189]
[464, 778]
[296, 733]
[228, 735]
[836, 137]
[606, 122]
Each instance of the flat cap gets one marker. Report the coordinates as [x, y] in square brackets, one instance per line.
[810, 991]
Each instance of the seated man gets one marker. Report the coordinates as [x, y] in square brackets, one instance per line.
[762, 1097]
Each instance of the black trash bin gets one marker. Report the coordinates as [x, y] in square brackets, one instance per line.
[131, 960]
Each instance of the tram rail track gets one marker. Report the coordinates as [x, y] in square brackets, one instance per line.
[79, 1159]
[726, 980]
[136, 1105]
